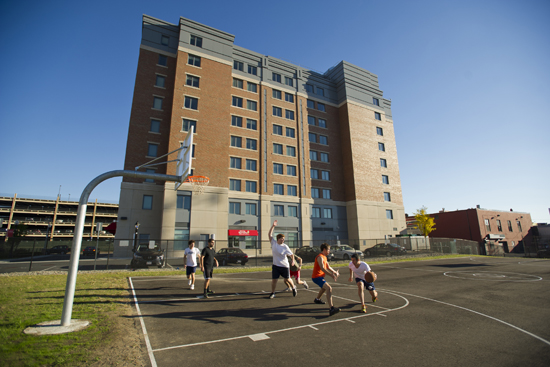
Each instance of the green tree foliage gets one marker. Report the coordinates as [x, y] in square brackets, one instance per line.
[424, 222]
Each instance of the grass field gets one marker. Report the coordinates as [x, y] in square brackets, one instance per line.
[102, 298]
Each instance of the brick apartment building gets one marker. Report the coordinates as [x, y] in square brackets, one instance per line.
[315, 151]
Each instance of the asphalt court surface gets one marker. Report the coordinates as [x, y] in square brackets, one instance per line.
[477, 311]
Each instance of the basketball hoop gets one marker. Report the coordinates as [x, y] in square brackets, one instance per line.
[198, 182]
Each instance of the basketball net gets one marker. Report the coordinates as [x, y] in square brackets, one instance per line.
[198, 182]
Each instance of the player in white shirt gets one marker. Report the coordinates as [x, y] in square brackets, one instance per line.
[190, 262]
[357, 271]
[280, 266]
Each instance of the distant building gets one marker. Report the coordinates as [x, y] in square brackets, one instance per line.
[53, 218]
[495, 231]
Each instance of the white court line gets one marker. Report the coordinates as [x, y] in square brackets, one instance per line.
[147, 343]
[479, 313]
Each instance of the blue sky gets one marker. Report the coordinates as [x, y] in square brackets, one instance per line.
[469, 83]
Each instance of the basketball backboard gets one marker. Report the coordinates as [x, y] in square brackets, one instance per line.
[185, 158]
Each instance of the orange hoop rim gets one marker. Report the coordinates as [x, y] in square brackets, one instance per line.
[197, 179]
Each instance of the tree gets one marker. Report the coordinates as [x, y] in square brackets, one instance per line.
[424, 222]
[19, 231]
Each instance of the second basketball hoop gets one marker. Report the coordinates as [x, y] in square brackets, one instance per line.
[198, 182]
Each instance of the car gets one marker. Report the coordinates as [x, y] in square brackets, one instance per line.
[231, 255]
[344, 252]
[308, 254]
[60, 249]
[145, 256]
[90, 251]
[385, 249]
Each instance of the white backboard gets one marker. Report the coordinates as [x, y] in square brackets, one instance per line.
[183, 164]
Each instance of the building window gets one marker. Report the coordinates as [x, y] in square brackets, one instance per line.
[277, 168]
[487, 225]
[293, 211]
[325, 175]
[510, 226]
[316, 212]
[312, 138]
[194, 60]
[519, 226]
[236, 141]
[196, 41]
[290, 151]
[235, 162]
[320, 91]
[163, 60]
[379, 131]
[499, 225]
[251, 165]
[289, 97]
[385, 180]
[311, 120]
[183, 202]
[312, 155]
[250, 208]
[310, 104]
[147, 203]
[252, 87]
[375, 101]
[277, 94]
[187, 124]
[152, 150]
[237, 65]
[327, 213]
[377, 116]
[251, 105]
[289, 114]
[278, 189]
[250, 186]
[160, 81]
[277, 111]
[252, 70]
[324, 157]
[323, 123]
[323, 140]
[383, 163]
[387, 196]
[234, 208]
[238, 83]
[314, 173]
[314, 192]
[279, 210]
[321, 107]
[292, 190]
[381, 147]
[276, 77]
[389, 214]
[236, 121]
[192, 81]
[157, 103]
[155, 126]
[191, 103]
[277, 130]
[237, 102]
[277, 148]
[289, 81]
[290, 132]
[309, 89]
[291, 170]
[234, 185]
[326, 194]
[251, 124]
[251, 144]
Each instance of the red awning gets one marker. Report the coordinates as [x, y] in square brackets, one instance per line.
[111, 228]
[242, 232]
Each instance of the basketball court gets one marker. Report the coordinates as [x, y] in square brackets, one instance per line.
[467, 311]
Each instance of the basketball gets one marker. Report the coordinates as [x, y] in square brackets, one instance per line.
[370, 276]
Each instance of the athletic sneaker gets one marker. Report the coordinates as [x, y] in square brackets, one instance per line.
[305, 285]
[374, 299]
[287, 289]
[364, 309]
[294, 292]
[333, 311]
[272, 295]
[205, 295]
[190, 281]
[211, 291]
[319, 301]
[192, 286]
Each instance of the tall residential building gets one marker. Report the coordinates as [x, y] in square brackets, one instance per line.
[279, 142]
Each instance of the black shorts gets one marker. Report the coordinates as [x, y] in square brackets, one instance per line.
[208, 273]
[277, 271]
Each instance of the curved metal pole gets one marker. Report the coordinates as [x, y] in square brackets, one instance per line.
[79, 230]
